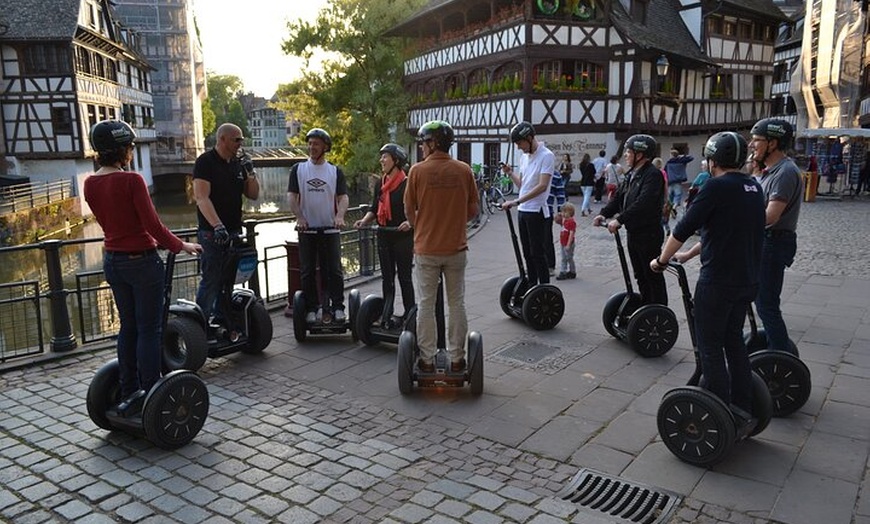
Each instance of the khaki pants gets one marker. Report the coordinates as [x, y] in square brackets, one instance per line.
[428, 270]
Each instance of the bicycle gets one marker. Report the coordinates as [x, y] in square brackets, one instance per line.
[491, 197]
[501, 180]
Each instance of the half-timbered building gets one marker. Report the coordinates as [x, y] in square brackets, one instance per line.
[67, 64]
[589, 73]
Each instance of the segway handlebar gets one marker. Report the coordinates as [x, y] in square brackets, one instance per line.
[318, 230]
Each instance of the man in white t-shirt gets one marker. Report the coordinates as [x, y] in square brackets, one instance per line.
[318, 198]
[536, 169]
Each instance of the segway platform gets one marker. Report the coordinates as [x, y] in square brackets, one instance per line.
[325, 325]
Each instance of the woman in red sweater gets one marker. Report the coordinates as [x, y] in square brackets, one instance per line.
[120, 201]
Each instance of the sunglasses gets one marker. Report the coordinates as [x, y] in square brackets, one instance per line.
[239, 140]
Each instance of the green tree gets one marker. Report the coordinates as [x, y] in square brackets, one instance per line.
[358, 95]
[208, 119]
[223, 99]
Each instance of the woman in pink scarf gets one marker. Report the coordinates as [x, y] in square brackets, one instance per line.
[395, 238]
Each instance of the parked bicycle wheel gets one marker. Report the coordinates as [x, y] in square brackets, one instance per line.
[495, 198]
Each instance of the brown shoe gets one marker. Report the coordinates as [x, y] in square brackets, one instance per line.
[457, 366]
[425, 367]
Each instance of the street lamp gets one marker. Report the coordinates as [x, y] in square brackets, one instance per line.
[662, 65]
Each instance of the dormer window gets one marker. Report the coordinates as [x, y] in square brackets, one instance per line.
[638, 10]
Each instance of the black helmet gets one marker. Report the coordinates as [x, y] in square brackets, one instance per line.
[110, 135]
[400, 156]
[321, 134]
[727, 149]
[774, 128]
[522, 131]
[439, 131]
[642, 144]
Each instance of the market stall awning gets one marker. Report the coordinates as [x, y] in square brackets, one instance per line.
[853, 132]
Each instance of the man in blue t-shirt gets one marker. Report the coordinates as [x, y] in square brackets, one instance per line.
[729, 213]
[675, 167]
[554, 203]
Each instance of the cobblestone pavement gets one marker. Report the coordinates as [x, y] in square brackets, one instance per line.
[317, 432]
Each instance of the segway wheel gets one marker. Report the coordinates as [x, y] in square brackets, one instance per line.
[508, 295]
[184, 345]
[543, 307]
[475, 362]
[695, 425]
[103, 392]
[758, 342]
[300, 328]
[260, 328]
[611, 312]
[787, 379]
[352, 312]
[405, 362]
[369, 312]
[652, 330]
[175, 410]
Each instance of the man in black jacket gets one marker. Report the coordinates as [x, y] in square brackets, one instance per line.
[637, 204]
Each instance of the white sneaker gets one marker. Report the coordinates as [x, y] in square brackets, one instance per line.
[311, 317]
[339, 316]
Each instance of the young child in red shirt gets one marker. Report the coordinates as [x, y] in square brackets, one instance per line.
[566, 239]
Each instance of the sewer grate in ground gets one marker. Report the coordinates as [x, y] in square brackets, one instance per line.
[528, 352]
[531, 353]
[620, 500]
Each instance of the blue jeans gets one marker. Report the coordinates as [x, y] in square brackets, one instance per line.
[587, 197]
[568, 258]
[675, 193]
[719, 315]
[137, 283]
[777, 253]
[210, 263]
[323, 249]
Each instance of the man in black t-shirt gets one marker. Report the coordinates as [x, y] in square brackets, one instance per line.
[220, 178]
[729, 212]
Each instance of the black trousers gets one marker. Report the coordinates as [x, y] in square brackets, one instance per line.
[324, 250]
[396, 255]
[533, 237]
[643, 246]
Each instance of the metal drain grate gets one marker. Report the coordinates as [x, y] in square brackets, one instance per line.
[528, 352]
[621, 500]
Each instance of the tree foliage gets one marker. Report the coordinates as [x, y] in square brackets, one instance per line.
[223, 99]
[357, 95]
[208, 119]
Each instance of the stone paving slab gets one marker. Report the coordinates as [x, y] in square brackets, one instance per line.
[317, 432]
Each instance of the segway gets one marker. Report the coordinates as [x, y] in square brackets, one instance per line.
[787, 377]
[241, 322]
[324, 323]
[174, 410]
[409, 372]
[696, 425]
[540, 306]
[375, 321]
[651, 330]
